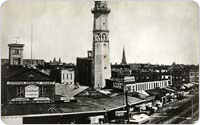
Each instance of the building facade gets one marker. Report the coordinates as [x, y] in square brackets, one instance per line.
[63, 76]
[147, 85]
[134, 86]
[26, 62]
[21, 84]
[27, 85]
[84, 71]
[33, 62]
[16, 54]
[101, 59]
[194, 76]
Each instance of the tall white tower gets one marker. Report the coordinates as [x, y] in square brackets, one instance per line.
[101, 59]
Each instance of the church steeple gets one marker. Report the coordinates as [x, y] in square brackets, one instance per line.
[123, 57]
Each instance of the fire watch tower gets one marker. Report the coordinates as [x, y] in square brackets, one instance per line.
[101, 66]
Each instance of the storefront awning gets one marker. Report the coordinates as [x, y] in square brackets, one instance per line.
[41, 99]
[139, 118]
[20, 99]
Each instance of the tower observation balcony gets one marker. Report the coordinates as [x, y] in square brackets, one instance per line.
[100, 7]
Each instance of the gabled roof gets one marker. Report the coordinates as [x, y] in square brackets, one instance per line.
[139, 95]
[91, 93]
[159, 92]
[83, 106]
[20, 73]
[68, 91]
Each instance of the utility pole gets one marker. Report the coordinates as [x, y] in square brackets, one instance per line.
[106, 116]
[126, 99]
[124, 91]
[192, 108]
[127, 105]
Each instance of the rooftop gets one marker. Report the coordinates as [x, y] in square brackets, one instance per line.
[84, 104]
[21, 73]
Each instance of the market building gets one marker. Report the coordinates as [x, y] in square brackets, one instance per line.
[26, 85]
[23, 84]
[133, 84]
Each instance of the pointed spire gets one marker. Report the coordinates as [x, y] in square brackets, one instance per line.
[54, 59]
[59, 60]
[123, 57]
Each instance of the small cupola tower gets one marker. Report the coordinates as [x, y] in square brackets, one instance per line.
[15, 54]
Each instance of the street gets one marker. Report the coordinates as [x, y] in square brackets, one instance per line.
[184, 111]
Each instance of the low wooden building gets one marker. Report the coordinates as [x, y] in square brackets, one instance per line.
[26, 85]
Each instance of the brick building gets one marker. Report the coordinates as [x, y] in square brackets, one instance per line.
[84, 70]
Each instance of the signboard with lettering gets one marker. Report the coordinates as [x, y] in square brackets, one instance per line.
[129, 79]
[31, 91]
[30, 83]
[120, 113]
[117, 85]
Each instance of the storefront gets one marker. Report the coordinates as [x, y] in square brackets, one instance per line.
[29, 86]
[30, 92]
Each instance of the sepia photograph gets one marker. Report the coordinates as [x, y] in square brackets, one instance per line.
[99, 62]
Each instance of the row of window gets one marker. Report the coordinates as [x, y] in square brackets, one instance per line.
[68, 76]
[147, 85]
[68, 83]
[21, 91]
[194, 73]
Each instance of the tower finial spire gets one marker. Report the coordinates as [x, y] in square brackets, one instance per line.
[123, 57]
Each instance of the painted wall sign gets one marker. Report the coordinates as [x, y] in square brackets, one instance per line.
[30, 83]
[120, 113]
[129, 79]
[117, 85]
[31, 91]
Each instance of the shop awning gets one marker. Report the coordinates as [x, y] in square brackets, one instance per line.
[41, 99]
[20, 100]
[139, 118]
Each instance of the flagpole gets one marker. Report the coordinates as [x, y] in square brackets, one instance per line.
[31, 41]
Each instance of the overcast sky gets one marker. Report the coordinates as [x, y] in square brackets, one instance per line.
[155, 32]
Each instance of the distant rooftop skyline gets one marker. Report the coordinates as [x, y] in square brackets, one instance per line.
[159, 32]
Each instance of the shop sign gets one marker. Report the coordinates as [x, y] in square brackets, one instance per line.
[31, 91]
[30, 83]
[129, 79]
[117, 85]
[120, 113]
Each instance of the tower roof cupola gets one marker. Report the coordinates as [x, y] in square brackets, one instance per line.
[100, 7]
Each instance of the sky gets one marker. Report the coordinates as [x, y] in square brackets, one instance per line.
[157, 32]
